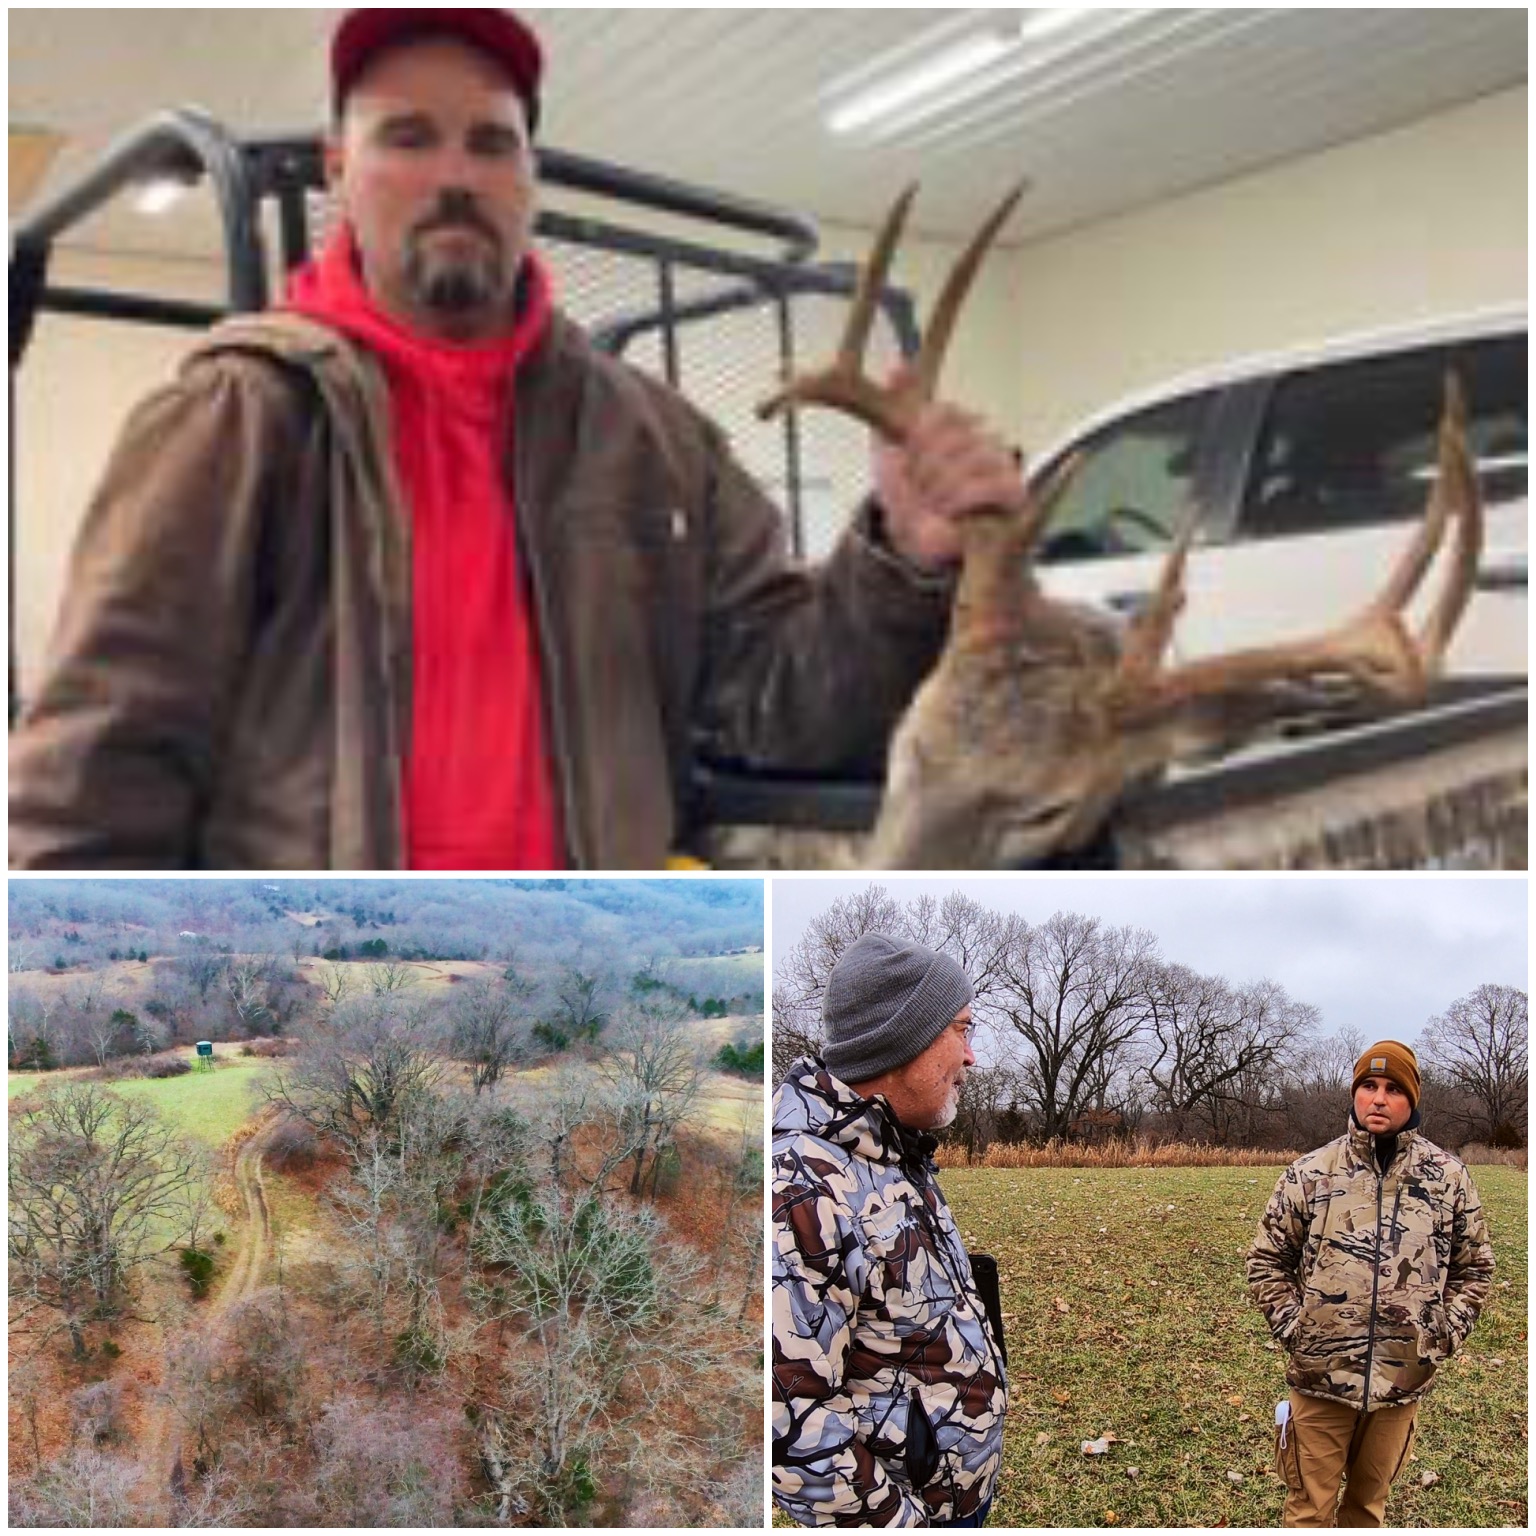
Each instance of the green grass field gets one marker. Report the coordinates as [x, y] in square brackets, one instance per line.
[1127, 1314]
[208, 1106]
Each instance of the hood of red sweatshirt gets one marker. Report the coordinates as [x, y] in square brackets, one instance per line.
[331, 289]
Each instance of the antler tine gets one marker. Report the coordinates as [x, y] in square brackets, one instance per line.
[843, 386]
[1409, 573]
[946, 314]
[1376, 650]
[1044, 502]
[1152, 630]
[873, 278]
[1457, 484]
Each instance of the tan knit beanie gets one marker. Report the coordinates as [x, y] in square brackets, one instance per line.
[1389, 1058]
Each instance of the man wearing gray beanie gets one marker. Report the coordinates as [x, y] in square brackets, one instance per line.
[889, 1368]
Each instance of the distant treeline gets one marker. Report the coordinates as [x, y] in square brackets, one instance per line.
[87, 986]
[1087, 1034]
[68, 925]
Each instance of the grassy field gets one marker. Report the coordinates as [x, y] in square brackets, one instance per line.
[730, 1104]
[730, 975]
[1127, 1314]
[208, 1106]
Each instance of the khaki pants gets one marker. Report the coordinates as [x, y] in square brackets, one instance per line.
[1327, 1445]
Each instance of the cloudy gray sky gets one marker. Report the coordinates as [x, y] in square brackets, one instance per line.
[1381, 954]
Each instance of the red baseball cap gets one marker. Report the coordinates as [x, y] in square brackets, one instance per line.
[363, 35]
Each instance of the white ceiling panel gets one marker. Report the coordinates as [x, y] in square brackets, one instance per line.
[1147, 105]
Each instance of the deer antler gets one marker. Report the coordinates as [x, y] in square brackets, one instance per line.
[1377, 650]
[1039, 716]
[890, 410]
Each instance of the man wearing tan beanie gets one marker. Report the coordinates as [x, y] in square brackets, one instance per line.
[1372, 1263]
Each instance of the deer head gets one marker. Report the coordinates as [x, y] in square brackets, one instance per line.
[1041, 716]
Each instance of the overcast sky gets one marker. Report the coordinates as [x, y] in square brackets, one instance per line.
[1381, 954]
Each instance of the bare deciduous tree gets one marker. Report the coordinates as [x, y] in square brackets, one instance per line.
[490, 1027]
[655, 1072]
[202, 965]
[248, 980]
[582, 1009]
[361, 1074]
[99, 1186]
[1072, 992]
[611, 1309]
[336, 982]
[958, 925]
[1480, 1044]
[1219, 1050]
[83, 1488]
[390, 977]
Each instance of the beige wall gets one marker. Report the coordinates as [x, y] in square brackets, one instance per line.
[1427, 221]
[1430, 220]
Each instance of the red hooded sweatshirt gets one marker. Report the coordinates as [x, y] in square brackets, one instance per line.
[479, 792]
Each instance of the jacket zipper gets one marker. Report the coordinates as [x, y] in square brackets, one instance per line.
[970, 1293]
[1370, 1338]
[553, 681]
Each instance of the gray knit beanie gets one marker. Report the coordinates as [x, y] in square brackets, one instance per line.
[887, 1001]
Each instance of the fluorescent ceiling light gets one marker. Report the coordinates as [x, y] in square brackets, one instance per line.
[957, 72]
[970, 56]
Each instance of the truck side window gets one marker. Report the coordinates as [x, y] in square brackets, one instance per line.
[1134, 488]
[1355, 444]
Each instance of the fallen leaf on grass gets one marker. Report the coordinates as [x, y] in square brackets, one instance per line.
[1061, 1306]
[1245, 1418]
[1235, 1478]
[1429, 1480]
[1111, 1518]
[1235, 1402]
[1042, 1438]
[1133, 1471]
[1099, 1447]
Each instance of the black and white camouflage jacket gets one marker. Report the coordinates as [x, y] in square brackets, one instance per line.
[889, 1384]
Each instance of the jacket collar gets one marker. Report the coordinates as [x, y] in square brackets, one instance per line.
[1365, 1145]
[812, 1100]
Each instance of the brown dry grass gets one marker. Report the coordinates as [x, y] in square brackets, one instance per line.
[1117, 1153]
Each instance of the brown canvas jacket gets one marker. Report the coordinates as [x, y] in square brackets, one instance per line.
[230, 681]
[1371, 1279]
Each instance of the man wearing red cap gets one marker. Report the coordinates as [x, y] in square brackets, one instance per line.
[409, 575]
[1371, 1264]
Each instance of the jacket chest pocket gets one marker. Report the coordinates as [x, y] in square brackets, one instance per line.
[630, 579]
[897, 1244]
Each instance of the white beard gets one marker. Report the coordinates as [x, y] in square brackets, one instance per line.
[950, 1112]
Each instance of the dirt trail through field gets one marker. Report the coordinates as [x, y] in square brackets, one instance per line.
[170, 1465]
[255, 1249]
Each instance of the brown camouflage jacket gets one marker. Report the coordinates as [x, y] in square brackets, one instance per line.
[1371, 1280]
[888, 1386]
